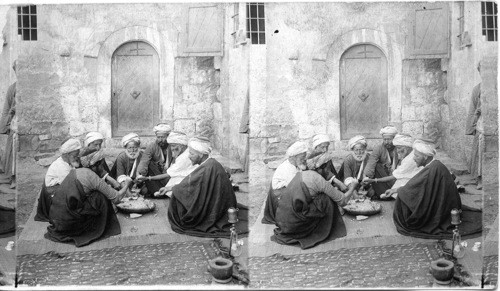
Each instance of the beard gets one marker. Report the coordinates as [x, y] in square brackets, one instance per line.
[132, 156]
[359, 158]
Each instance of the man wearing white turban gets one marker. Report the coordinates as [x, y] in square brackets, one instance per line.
[199, 203]
[383, 161]
[125, 166]
[423, 205]
[351, 171]
[406, 168]
[56, 173]
[320, 145]
[181, 165]
[81, 210]
[295, 162]
[155, 160]
[307, 211]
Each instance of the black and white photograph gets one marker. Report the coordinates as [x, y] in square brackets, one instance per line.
[249, 145]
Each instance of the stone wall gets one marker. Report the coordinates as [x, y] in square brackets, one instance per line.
[424, 87]
[65, 75]
[304, 44]
[462, 76]
[229, 106]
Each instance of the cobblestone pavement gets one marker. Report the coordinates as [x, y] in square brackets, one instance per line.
[490, 270]
[402, 266]
[156, 264]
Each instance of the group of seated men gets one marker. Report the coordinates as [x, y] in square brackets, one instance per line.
[79, 190]
[306, 193]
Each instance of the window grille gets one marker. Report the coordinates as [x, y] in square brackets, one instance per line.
[489, 20]
[256, 26]
[27, 22]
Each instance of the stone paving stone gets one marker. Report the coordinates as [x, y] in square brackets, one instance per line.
[177, 263]
[390, 266]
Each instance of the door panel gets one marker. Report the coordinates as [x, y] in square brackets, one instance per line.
[135, 93]
[363, 92]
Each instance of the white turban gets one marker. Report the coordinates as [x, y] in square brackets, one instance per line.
[319, 139]
[201, 145]
[355, 140]
[390, 130]
[130, 137]
[403, 140]
[425, 148]
[297, 148]
[91, 137]
[70, 145]
[178, 138]
[163, 128]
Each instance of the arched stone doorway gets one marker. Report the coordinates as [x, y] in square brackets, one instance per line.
[134, 89]
[363, 91]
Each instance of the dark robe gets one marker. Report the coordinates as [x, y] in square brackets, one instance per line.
[44, 202]
[304, 219]
[151, 164]
[78, 217]
[7, 221]
[273, 197]
[199, 203]
[423, 206]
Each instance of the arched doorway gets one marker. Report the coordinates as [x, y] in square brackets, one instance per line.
[363, 91]
[134, 89]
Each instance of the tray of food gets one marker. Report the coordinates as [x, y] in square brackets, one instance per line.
[136, 205]
[362, 207]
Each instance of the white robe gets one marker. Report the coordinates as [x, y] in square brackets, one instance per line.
[57, 171]
[180, 169]
[283, 175]
[405, 171]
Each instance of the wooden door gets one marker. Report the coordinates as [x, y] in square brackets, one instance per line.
[135, 89]
[363, 92]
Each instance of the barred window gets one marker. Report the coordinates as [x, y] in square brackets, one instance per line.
[256, 24]
[489, 19]
[26, 22]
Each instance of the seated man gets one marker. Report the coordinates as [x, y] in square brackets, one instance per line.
[294, 163]
[383, 161]
[423, 206]
[155, 160]
[81, 210]
[180, 168]
[406, 168]
[355, 163]
[320, 144]
[93, 143]
[127, 161]
[307, 212]
[56, 173]
[199, 203]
